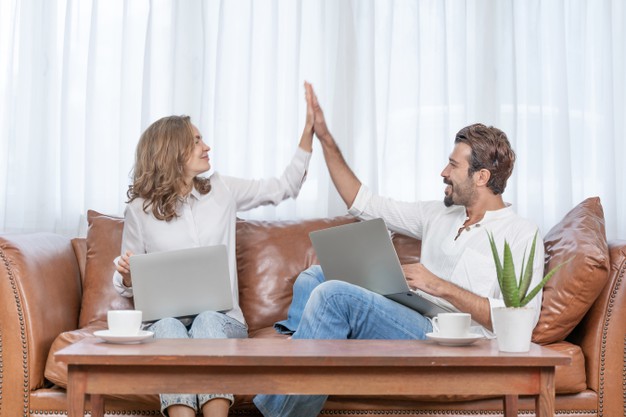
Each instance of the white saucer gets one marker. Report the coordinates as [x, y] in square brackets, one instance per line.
[113, 338]
[454, 341]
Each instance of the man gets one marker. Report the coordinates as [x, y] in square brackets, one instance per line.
[456, 260]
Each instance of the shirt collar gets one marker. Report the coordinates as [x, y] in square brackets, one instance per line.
[195, 193]
[498, 214]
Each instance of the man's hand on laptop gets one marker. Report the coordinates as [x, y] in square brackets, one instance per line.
[420, 278]
[123, 267]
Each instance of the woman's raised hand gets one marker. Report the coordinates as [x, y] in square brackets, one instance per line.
[306, 141]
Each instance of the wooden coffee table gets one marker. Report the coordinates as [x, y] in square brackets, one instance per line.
[283, 366]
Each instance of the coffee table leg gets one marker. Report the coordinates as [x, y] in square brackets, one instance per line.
[510, 405]
[76, 383]
[544, 404]
[97, 405]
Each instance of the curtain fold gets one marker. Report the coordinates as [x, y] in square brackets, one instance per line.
[80, 80]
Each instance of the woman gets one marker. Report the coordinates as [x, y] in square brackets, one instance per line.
[172, 207]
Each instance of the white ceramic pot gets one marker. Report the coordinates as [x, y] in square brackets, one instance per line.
[513, 327]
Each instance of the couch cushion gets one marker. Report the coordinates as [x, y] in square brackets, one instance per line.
[569, 379]
[104, 242]
[56, 371]
[569, 294]
[270, 255]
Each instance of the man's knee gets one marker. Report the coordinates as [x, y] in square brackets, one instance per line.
[308, 279]
[327, 290]
[311, 275]
[335, 287]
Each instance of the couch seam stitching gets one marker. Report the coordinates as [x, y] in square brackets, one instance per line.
[605, 330]
[117, 412]
[20, 315]
[1, 371]
[619, 283]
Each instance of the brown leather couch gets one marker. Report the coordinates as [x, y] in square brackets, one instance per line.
[56, 290]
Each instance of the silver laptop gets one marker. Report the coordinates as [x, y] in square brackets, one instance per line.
[182, 282]
[362, 254]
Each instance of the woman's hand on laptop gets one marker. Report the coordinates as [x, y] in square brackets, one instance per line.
[123, 267]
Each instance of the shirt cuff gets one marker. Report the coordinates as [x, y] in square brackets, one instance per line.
[360, 201]
[118, 283]
[495, 302]
[302, 155]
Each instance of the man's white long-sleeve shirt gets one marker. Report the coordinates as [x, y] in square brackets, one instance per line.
[209, 219]
[465, 260]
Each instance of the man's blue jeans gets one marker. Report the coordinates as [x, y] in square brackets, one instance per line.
[338, 310]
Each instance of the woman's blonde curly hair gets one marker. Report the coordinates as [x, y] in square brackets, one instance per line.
[159, 171]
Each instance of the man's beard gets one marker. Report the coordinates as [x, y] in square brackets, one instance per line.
[447, 198]
[466, 193]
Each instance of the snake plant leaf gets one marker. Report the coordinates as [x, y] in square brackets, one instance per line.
[543, 282]
[496, 258]
[514, 292]
[526, 276]
[510, 291]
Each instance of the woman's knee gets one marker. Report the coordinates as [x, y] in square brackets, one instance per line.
[169, 328]
[210, 325]
[208, 319]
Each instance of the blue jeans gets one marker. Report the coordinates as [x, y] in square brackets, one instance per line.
[302, 288]
[206, 325]
[338, 310]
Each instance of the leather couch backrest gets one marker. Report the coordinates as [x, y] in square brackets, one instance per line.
[270, 255]
[269, 258]
[104, 242]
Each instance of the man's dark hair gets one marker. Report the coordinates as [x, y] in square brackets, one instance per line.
[491, 150]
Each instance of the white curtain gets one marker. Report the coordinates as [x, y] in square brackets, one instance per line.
[80, 80]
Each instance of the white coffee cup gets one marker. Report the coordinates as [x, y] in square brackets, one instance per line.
[124, 322]
[453, 324]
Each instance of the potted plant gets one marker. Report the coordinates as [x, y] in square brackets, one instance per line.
[513, 324]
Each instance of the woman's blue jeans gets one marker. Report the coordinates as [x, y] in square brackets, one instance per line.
[206, 325]
[338, 310]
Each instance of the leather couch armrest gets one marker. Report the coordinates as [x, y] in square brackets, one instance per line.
[602, 336]
[41, 292]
